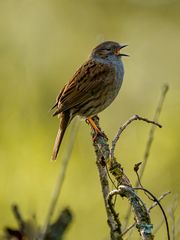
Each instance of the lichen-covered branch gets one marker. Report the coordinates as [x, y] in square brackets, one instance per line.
[143, 222]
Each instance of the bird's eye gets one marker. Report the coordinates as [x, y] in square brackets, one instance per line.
[106, 49]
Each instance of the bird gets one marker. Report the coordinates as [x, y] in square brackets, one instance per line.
[93, 87]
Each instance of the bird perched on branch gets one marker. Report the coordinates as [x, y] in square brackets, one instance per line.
[93, 88]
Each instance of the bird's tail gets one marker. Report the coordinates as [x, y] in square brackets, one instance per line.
[65, 119]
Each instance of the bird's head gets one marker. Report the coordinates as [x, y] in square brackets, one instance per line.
[108, 48]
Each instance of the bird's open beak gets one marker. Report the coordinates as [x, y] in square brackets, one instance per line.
[121, 54]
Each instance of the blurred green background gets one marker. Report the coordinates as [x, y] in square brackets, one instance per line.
[42, 43]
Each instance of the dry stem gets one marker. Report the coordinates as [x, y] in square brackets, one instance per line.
[149, 142]
[60, 180]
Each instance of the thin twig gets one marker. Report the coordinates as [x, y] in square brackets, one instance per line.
[139, 180]
[159, 199]
[149, 209]
[124, 126]
[157, 112]
[60, 179]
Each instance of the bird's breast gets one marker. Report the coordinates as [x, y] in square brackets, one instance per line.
[119, 74]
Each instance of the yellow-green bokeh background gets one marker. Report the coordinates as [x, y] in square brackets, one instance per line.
[41, 45]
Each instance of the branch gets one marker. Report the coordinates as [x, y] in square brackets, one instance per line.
[101, 148]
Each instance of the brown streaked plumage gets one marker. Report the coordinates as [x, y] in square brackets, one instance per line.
[92, 88]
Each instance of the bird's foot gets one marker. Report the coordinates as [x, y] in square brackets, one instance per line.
[96, 129]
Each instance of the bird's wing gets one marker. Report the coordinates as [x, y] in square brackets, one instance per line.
[89, 79]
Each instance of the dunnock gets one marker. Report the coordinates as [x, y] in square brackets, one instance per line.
[92, 88]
